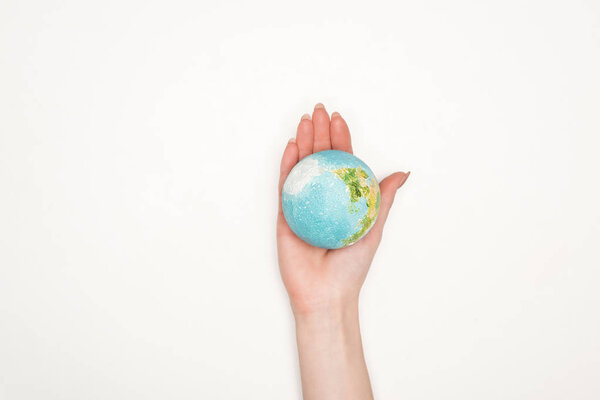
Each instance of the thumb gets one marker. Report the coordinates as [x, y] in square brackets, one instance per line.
[388, 188]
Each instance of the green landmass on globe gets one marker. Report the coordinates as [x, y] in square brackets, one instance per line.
[356, 181]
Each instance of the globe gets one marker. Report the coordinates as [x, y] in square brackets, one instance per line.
[330, 199]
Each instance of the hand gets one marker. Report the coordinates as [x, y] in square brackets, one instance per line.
[323, 285]
[318, 279]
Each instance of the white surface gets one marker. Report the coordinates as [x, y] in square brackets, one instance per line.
[139, 151]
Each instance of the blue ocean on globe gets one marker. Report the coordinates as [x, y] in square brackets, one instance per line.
[331, 199]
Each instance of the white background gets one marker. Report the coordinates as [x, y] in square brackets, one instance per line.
[139, 153]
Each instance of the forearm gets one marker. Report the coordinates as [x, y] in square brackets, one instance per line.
[332, 363]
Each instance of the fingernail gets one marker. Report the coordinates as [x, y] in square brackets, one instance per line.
[306, 116]
[406, 177]
[319, 105]
[292, 140]
[335, 114]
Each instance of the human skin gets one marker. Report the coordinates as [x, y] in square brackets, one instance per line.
[324, 285]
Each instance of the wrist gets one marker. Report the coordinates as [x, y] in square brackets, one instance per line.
[331, 309]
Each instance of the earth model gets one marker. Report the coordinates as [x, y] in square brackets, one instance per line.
[331, 199]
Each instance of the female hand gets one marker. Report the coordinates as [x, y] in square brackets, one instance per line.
[323, 285]
[317, 278]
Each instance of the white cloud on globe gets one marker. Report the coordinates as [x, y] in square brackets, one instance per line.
[301, 175]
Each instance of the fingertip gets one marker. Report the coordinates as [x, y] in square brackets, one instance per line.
[320, 113]
[305, 136]
[288, 160]
[320, 118]
[399, 178]
[390, 185]
[403, 179]
[290, 155]
[340, 134]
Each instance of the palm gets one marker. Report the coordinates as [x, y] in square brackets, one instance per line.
[313, 275]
